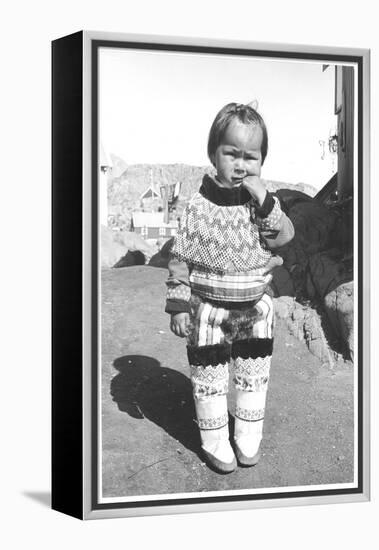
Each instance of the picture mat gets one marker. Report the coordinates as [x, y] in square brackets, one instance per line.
[109, 513]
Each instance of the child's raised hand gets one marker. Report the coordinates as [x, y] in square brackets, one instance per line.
[256, 188]
[180, 323]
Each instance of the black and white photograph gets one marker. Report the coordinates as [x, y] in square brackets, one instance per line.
[188, 285]
[229, 188]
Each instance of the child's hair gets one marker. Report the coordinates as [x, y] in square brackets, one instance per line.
[243, 113]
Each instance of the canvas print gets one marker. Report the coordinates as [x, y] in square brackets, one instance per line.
[227, 223]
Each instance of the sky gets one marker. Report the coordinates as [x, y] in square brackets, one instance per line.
[157, 107]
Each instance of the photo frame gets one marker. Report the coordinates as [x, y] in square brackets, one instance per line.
[108, 342]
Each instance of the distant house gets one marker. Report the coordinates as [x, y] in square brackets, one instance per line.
[150, 225]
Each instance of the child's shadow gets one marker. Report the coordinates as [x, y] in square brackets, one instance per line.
[144, 389]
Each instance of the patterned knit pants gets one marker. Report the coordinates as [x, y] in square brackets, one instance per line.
[235, 341]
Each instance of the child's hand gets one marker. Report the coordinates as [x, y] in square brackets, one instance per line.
[180, 324]
[256, 188]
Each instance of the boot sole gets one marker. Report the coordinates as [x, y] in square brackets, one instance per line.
[247, 461]
[218, 465]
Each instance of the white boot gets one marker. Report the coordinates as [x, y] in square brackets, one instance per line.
[212, 416]
[250, 407]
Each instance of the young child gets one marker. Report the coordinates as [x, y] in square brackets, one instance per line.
[218, 277]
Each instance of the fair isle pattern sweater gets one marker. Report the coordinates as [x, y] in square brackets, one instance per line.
[220, 239]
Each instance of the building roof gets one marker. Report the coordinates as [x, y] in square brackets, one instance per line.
[151, 219]
[149, 192]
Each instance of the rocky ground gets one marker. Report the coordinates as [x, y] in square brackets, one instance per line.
[150, 440]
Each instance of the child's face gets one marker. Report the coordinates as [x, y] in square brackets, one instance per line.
[239, 154]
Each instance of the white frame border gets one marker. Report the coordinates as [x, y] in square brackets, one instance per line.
[117, 512]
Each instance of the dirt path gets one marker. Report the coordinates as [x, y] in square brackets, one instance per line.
[150, 440]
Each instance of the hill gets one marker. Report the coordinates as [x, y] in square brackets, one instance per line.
[124, 192]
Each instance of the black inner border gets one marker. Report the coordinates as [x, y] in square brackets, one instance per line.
[96, 44]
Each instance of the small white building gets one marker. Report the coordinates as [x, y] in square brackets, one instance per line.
[151, 225]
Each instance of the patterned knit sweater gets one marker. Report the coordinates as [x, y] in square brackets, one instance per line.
[222, 249]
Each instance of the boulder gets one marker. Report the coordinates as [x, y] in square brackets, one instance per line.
[304, 322]
[111, 249]
[133, 241]
[339, 305]
[315, 338]
[327, 271]
[116, 244]
[332, 280]
[165, 250]
[283, 306]
[132, 257]
[314, 271]
[160, 259]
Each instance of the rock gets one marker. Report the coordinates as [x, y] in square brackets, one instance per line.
[111, 250]
[339, 305]
[332, 280]
[315, 270]
[327, 271]
[298, 313]
[133, 241]
[315, 338]
[304, 323]
[283, 306]
[165, 250]
[160, 259]
[132, 257]
[115, 246]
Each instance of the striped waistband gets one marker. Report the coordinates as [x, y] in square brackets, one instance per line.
[229, 287]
